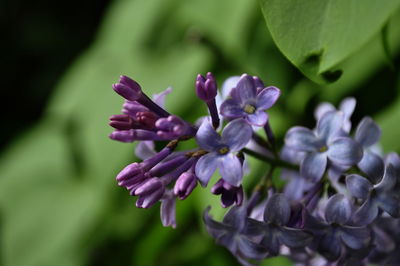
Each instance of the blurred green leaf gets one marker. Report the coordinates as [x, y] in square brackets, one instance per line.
[317, 35]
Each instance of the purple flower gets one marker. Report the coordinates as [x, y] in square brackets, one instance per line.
[128, 88]
[221, 151]
[336, 232]
[249, 101]
[346, 107]
[368, 134]
[206, 87]
[275, 231]
[233, 234]
[229, 194]
[376, 197]
[326, 142]
[173, 127]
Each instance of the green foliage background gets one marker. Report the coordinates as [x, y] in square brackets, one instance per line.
[59, 204]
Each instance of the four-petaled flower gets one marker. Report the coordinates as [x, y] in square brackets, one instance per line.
[250, 101]
[221, 151]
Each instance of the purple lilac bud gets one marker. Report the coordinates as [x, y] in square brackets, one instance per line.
[229, 194]
[221, 151]
[146, 119]
[185, 185]
[249, 104]
[135, 134]
[128, 88]
[173, 127]
[206, 87]
[150, 192]
[121, 122]
[167, 166]
[131, 108]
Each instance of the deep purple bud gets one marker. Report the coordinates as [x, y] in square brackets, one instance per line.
[172, 127]
[147, 119]
[229, 194]
[132, 108]
[128, 88]
[121, 122]
[206, 88]
[130, 171]
[134, 134]
[149, 192]
[185, 185]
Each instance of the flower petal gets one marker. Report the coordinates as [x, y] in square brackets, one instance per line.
[330, 246]
[372, 165]
[228, 85]
[367, 213]
[205, 168]
[322, 109]
[295, 238]
[250, 249]
[267, 97]
[145, 150]
[231, 108]
[168, 211]
[394, 159]
[230, 169]
[367, 132]
[338, 209]
[302, 139]
[390, 203]
[330, 125]
[358, 186]
[345, 151]
[271, 241]
[347, 106]
[159, 98]
[355, 237]
[246, 88]
[259, 118]
[277, 210]
[207, 137]
[236, 217]
[313, 166]
[388, 181]
[237, 134]
[214, 228]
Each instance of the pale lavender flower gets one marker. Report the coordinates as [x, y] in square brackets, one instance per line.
[229, 194]
[323, 144]
[275, 229]
[249, 101]
[221, 151]
[346, 107]
[336, 233]
[233, 234]
[168, 209]
[380, 196]
[368, 134]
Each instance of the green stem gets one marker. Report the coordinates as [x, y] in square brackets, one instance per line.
[272, 161]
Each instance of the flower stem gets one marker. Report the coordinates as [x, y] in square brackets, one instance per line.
[273, 162]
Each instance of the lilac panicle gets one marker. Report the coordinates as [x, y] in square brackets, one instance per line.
[250, 102]
[221, 151]
[229, 194]
[323, 144]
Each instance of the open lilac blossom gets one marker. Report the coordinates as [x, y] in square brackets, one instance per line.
[229, 194]
[250, 102]
[221, 151]
[368, 134]
[323, 144]
[275, 229]
[232, 233]
[346, 107]
[380, 196]
[335, 232]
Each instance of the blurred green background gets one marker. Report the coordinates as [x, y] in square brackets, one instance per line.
[59, 204]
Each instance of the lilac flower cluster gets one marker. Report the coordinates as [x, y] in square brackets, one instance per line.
[341, 201]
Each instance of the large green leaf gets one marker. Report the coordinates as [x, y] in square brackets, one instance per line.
[317, 35]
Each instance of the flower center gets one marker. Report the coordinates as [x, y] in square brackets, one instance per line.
[250, 109]
[223, 150]
[323, 149]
